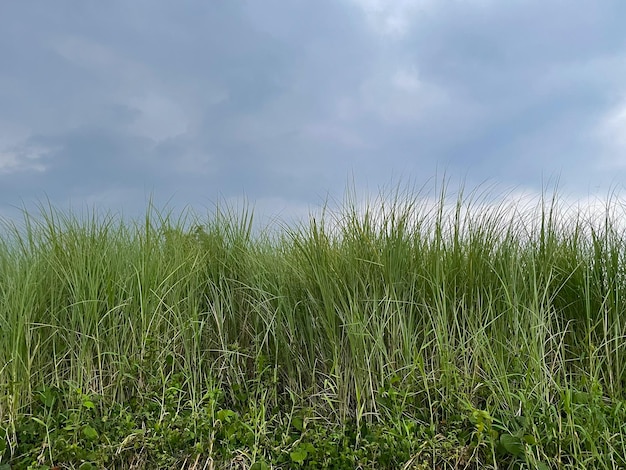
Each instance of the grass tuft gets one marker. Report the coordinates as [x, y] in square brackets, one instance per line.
[402, 333]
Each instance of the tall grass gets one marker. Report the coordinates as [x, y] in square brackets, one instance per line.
[457, 315]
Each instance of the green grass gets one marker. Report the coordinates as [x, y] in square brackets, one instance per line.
[399, 334]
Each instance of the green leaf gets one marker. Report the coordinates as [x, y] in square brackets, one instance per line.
[90, 433]
[297, 423]
[299, 455]
[580, 398]
[39, 421]
[258, 466]
[530, 440]
[5, 466]
[512, 444]
[225, 416]
[47, 396]
[86, 466]
[542, 466]
[89, 404]
[309, 448]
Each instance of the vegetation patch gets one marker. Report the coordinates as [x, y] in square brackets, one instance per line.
[403, 334]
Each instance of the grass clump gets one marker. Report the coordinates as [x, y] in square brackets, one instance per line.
[399, 334]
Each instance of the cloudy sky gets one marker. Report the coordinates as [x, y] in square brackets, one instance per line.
[284, 102]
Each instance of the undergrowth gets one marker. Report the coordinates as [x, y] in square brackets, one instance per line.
[397, 334]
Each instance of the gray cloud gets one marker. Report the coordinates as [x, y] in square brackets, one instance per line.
[286, 101]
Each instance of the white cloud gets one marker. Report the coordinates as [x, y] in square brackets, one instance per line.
[126, 82]
[611, 134]
[407, 80]
[160, 116]
[195, 163]
[24, 159]
[336, 134]
[395, 18]
[400, 96]
[99, 58]
[391, 17]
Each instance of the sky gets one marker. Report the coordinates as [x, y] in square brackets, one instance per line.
[285, 103]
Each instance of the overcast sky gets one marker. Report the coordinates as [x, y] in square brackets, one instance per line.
[284, 102]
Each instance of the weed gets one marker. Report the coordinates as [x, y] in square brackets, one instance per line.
[391, 335]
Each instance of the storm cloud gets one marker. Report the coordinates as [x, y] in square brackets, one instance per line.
[284, 102]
